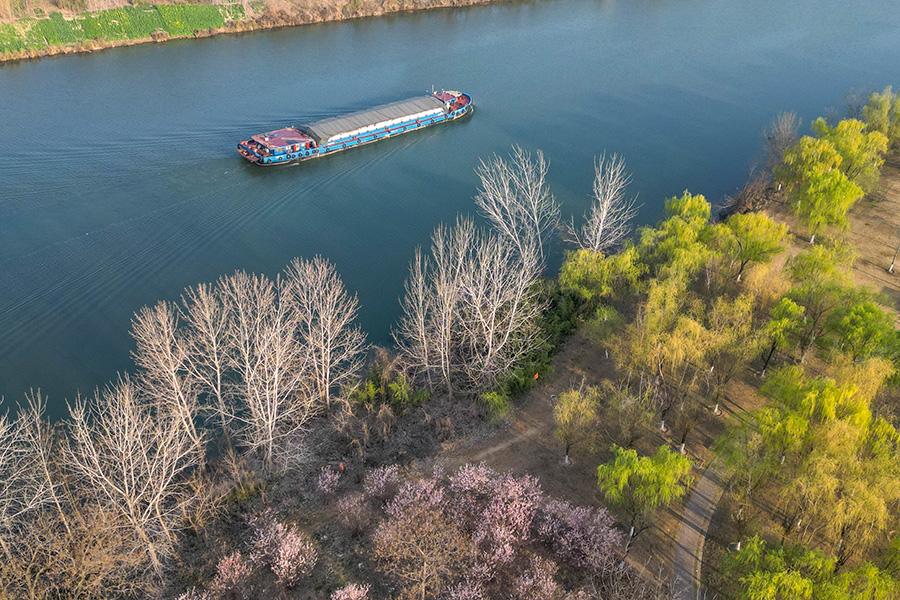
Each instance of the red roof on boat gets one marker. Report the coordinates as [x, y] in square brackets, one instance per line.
[282, 137]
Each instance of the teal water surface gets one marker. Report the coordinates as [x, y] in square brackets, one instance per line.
[119, 183]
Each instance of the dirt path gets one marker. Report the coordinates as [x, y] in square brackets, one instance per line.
[691, 537]
[528, 446]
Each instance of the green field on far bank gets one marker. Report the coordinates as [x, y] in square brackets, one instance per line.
[117, 24]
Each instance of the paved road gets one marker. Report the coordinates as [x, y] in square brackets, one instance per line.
[692, 532]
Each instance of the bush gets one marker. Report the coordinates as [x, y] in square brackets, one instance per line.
[355, 513]
[351, 592]
[382, 482]
[586, 537]
[384, 384]
[233, 574]
[286, 550]
[294, 558]
[497, 404]
[327, 481]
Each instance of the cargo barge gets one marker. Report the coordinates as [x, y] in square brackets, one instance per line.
[321, 138]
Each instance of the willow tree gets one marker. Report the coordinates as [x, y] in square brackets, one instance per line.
[862, 150]
[882, 114]
[783, 327]
[821, 193]
[822, 282]
[733, 340]
[575, 415]
[641, 485]
[751, 238]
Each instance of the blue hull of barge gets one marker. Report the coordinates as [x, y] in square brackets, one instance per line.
[340, 144]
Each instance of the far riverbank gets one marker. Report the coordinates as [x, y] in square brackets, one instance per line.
[58, 33]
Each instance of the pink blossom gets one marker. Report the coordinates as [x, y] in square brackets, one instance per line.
[327, 480]
[233, 575]
[294, 558]
[586, 537]
[382, 482]
[351, 592]
[466, 591]
[416, 496]
[286, 550]
[537, 582]
[479, 479]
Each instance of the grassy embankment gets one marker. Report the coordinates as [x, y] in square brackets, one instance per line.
[34, 31]
[128, 24]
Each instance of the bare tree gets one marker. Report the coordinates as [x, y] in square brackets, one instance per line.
[275, 398]
[499, 309]
[516, 199]
[449, 249]
[781, 134]
[13, 504]
[209, 356]
[470, 311]
[324, 314]
[162, 357]
[413, 334]
[855, 101]
[609, 221]
[38, 438]
[133, 459]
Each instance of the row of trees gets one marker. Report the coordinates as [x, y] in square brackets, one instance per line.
[691, 304]
[242, 367]
[256, 359]
[817, 458]
[826, 173]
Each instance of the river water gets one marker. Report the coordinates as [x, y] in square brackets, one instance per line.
[119, 183]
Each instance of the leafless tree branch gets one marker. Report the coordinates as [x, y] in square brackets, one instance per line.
[609, 221]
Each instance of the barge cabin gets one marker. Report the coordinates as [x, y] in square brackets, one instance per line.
[327, 136]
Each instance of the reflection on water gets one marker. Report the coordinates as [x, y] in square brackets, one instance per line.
[119, 183]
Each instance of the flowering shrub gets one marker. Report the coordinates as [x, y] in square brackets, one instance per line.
[416, 496]
[537, 583]
[382, 482]
[327, 480]
[233, 575]
[480, 534]
[355, 513]
[351, 592]
[286, 550]
[505, 522]
[294, 557]
[586, 537]
[466, 591]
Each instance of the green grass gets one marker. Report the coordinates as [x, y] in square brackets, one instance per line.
[125, 23]
[56, 30]
[184, 20]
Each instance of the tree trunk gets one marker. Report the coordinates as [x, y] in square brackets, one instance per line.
[769, 357]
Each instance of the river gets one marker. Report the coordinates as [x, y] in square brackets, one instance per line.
[119, 183]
